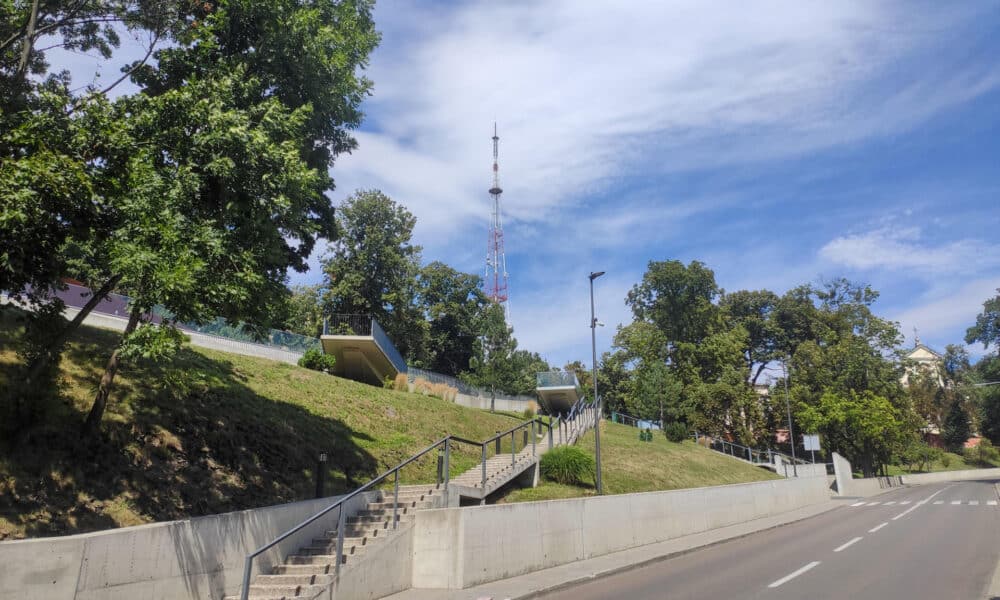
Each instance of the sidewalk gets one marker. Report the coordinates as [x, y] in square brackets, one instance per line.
[534, 584]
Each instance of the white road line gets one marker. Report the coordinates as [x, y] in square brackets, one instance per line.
[939, 502]
[848, 544]
[954, 502]
[973, 502]
[991, 502]
[873, 503]
[877, 527]
[858, 504]
[891, 502]
[919, 504]
[905, 502]
[794, 574]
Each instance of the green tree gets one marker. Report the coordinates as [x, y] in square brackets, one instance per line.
[656, 395]
[453, 303]
[305, 310]
[864, 427]
[754, 312]
[987, 327]
[222, 164]
[493, 366]
[678, 299]
[373, 268]
[956, 428]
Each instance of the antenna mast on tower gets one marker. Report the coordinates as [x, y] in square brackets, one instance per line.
[495, 281]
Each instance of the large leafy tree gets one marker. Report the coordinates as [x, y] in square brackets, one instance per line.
[987, 328]
[956, 428]
[372, 269]
[678, 299]
[453, 304]
[754, 312]
[214, 176]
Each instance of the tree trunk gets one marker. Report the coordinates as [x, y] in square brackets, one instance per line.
[55, 345]
[93, 422]
[29, 41]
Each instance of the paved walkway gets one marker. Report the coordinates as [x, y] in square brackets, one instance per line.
[534, 584]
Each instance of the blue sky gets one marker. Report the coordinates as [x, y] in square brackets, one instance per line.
[779, 142]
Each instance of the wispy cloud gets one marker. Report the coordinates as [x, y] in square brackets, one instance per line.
[904, 249]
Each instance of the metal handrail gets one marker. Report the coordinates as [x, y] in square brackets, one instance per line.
[750, 452]
[394, 471]
[248, 563]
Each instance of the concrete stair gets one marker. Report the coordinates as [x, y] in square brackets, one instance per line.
[310, 571]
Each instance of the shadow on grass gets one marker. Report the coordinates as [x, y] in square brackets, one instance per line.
[181, 439]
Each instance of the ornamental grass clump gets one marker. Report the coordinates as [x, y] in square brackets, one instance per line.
[569, 465]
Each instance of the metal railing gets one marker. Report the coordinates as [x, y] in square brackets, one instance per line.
[556, 379]
[624, 419]
[568, 430]
[470, 390]
[765, 456]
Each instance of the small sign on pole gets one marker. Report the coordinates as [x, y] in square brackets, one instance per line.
[810, 442]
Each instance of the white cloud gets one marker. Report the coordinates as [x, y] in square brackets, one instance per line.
[586, 93]
[902, 249]
[938, 318]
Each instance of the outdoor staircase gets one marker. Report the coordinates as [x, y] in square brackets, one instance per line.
[310, 572]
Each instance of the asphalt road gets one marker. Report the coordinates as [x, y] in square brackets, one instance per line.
[933, 542]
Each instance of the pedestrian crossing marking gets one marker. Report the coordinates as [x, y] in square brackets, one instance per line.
[936, 503]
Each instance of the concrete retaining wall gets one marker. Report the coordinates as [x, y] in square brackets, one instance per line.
[951, 476]
[193, 559]
[460, 547]
[503, 404]
[786, 469]
[847, 485]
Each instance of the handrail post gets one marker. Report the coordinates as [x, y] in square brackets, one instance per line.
[483, 500]
[534, 437]
[395, 498]
[513, 461]
[340, 540]
[497, 451]
[245, 590]
[550, 435]
[447, 467]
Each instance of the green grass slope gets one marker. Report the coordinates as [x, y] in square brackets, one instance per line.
[630, 465]
[206, 433]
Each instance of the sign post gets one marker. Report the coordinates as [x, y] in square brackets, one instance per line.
[811, 443]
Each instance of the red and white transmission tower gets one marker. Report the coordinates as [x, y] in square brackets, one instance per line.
[495, 281]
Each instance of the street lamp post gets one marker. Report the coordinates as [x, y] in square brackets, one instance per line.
[597, 402]
[788, 409]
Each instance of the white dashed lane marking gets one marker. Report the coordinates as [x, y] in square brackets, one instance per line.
[939, 502]
[847, 545]
[954, 502]
[991, 502]
[891, 502]
[905, 502]
[858, 504]
[794, 574]
[877, 527]
[973, 502]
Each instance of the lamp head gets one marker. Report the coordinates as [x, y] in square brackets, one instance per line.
[594, 276]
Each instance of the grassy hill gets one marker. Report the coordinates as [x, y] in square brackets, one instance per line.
[207, 433]
[211, 432]
[630, 465]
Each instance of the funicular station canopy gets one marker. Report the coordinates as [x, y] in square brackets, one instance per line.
[362, 349]
[558, 391]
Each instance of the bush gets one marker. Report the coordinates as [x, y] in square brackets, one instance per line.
[401, 383]
[676, 432]
[945, 460]
[530, 411]
[316, 360]
[645, 435]
[568, 464]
